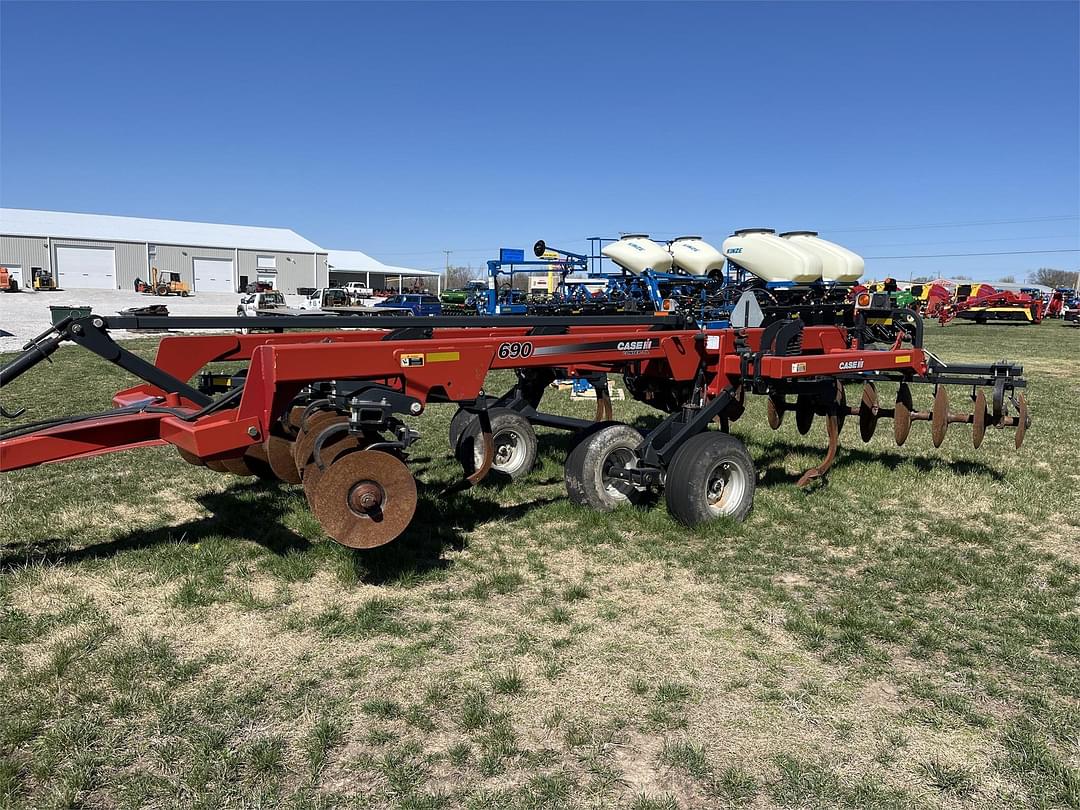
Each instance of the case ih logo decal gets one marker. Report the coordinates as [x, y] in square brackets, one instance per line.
[851, 365]
[634, 346]
[629, 347]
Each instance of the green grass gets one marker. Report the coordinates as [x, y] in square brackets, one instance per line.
[907, 636]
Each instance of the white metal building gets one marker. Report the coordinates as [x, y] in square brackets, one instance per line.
[93, 251]
[353, 265]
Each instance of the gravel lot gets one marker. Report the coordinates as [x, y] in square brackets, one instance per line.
[25, 314]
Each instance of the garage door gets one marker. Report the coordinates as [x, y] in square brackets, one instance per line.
[214, 275]
[86, 268]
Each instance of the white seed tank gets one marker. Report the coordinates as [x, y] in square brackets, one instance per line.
[771, 258]
[838, 264]
[637, 253]
[695, 256]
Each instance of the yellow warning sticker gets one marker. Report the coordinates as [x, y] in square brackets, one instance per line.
[903, 358]
[443, 357]
[410, 360]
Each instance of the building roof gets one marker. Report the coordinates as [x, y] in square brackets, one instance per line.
[62, 224]
[355, 261]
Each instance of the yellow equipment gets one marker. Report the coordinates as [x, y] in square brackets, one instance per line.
[166, 283]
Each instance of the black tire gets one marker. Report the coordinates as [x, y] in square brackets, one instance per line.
[705, 460]
[586, 484]
[514, 439]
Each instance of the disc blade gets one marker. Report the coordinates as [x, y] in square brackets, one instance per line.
[1021, 428]
[329, 453]
[804, 414]
[775, 412]
[868, 412]
[305, 442]
[978, 422]
[258, 463]
[280, 456]
[217, 466]
[940, 421]
[190, 458]
[237, 466]
[337, 499]
[902, 414]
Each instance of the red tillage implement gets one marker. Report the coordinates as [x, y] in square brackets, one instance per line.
[327, 409]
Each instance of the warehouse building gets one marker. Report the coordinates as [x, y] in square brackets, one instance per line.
[353, 265]
[92, 251]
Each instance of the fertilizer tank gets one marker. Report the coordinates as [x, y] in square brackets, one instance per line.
[838, 264]
[771, 258]
[637, 253]
[695, 256]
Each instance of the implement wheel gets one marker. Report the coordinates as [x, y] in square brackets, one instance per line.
[514, 443]
[589, 465]
[711, 476]
[365, 499]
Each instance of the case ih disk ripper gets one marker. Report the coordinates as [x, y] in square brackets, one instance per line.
[326, 408]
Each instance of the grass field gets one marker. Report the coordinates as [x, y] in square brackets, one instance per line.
[908, 636]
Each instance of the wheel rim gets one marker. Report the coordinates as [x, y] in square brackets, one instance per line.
[619, 458]
[725, 488]
[509, 454]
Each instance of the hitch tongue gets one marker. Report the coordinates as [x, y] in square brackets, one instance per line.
[33, 353]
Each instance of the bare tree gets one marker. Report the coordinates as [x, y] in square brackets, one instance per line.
[1007, 279]
[1050, 277]
[458, 276]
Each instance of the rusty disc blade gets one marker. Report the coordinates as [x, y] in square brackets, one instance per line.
[258, 463]
[978, 421]
[775, 412]
[902, 414]
[190, 458]
[1022, 416]
[290, 424]
[365, 499]
[328, 455]
[305, 442]
[940, 421]
[217, 465]
[280, 457]
[868, 412]
[237, 466]
[804, 414]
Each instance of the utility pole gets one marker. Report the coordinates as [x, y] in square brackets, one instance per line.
[446, 272]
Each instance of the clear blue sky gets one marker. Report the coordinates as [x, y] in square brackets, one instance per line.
[405, 129]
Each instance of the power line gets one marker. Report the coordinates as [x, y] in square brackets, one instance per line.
[1002, 253]
[971, 224]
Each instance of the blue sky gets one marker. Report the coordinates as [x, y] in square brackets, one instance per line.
[406, 129]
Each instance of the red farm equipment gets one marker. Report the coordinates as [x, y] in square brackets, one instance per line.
[326, 407]
[998, 306]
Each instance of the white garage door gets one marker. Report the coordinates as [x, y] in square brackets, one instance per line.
[86, 268]
[214, 275]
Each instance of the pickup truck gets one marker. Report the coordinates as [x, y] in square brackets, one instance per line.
[325, 298]
[418, 304]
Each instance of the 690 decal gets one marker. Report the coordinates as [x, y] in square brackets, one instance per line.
[515, 350]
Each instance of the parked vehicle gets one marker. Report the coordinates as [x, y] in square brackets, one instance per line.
[252, 303]
[418, 304]
[327, 297]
